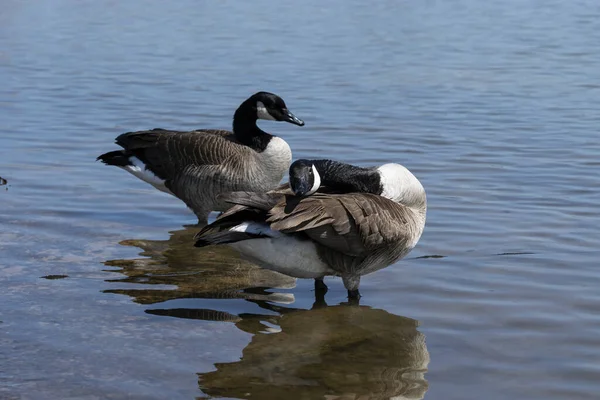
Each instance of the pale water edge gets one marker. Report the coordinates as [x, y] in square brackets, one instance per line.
[493, 106]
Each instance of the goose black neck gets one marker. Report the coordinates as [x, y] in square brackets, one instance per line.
[348, 178]
[246, 131]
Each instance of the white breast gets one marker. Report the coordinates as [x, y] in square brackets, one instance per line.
[276, 158]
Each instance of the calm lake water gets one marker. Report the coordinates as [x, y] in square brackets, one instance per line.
[493, 105]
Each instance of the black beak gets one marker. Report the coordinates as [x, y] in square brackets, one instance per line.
[299, 186]
[291, 118]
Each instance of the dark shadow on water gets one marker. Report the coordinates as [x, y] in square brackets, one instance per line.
[429, 256]
[53, 277]
[522, 253]
[344, 351]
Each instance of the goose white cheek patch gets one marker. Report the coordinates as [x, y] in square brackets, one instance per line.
[317, 182]
[262, 112]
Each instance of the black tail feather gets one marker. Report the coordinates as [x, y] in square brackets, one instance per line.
[140, 139]
[118, 158]
[224, 237]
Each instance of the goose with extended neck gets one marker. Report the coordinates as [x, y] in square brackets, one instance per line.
[199, 165]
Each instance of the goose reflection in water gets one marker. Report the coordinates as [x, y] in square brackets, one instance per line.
[344, 352]
[175, 269]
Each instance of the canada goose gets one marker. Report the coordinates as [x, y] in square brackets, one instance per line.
[197, 166]
[364, 219]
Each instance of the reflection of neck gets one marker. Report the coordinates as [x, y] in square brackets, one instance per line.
[246, 131]
[348, 178]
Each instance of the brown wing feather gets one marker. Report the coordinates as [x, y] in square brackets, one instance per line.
[353, 224]
[168, 153]
[355, 232]
[263, 201]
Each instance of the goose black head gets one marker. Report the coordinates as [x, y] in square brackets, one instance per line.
[304, 178]
[272, 107]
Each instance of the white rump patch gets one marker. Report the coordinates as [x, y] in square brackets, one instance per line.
[139, 170]
[256, 228]
[262, 112]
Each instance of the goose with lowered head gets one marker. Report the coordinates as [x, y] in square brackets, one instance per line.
[335, 219]
[199, 165]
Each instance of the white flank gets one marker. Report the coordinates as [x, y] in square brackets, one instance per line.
[286, 254]
[138, 169]
[262, 112]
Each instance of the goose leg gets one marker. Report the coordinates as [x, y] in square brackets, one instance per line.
[202, 217]
[319, 299]
[320, 291]
[320, 285]
[351, 283]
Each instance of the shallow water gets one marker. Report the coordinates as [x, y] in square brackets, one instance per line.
[492, 106]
